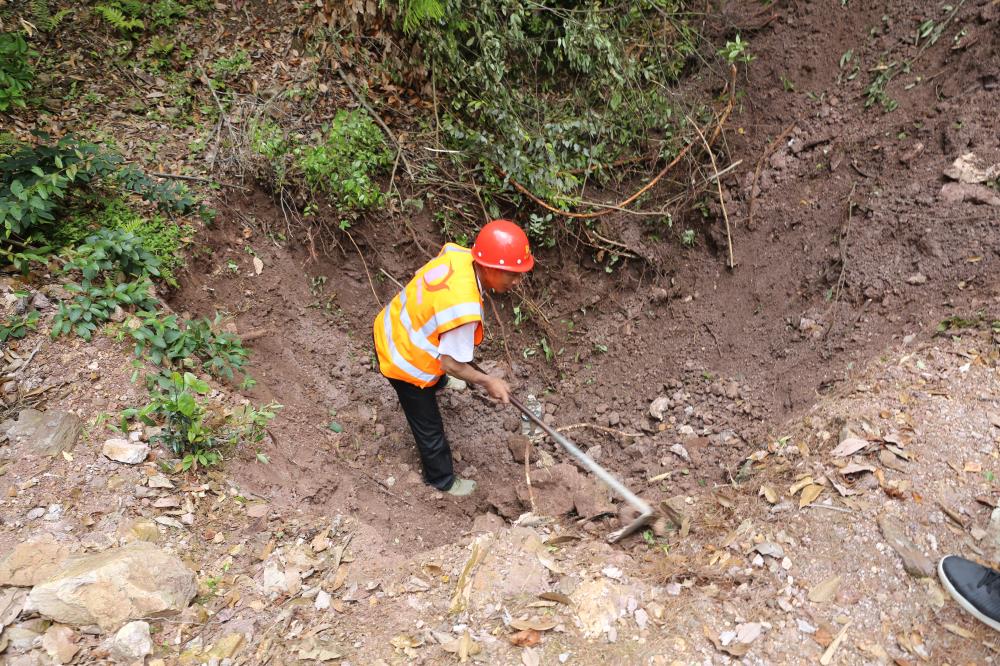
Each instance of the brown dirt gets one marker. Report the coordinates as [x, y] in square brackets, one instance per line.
[814, 290]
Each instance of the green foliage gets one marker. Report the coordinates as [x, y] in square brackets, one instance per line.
[233, 66]
[116, 17]
[111, 250]
[342, 167]
[191, 428]
[165, 13]
[161, 237]
[166, 341]
[16, 72]
[736, 51]
[40, 183]
[552, 93]
[17, 326]
[416, 12]
[93, 305]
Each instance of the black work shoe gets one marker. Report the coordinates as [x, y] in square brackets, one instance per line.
[976, 588]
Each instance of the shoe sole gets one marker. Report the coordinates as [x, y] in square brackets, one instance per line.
[960, 600]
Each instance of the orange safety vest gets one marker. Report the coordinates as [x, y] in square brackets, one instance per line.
[444, 294]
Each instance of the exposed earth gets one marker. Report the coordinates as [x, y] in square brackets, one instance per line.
[721, 392]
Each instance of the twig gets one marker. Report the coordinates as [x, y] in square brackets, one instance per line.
[381, 486]
[598, 427]
[756, 173]
[718, 184]
[365, 265]
[718, 347]
[30, 359]
[843, 259]
[394, 280]
[378, 119]
[198, 179]
[254, 334]
[829, 508]
[503, 335]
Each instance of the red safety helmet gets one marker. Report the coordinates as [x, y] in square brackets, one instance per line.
[504, 245]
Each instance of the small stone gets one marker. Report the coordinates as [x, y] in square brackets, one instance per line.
[35, 513]
[805, 627]
[679, 450]
[59, 642]
[658, 407]
[125, 451]
[132, 642]
[322, 600]
[917, 278]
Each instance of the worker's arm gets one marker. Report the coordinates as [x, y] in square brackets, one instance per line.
[496, 387]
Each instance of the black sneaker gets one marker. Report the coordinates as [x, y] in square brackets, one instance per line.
[976, 588]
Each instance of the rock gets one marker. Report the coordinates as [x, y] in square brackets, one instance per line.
[658, 407]
[59, 641]
[686, 430]
[35, 514]
[511, 568]
[914, 561]
[33, 561]
[733, 390]
[965, 192]
[681, 452]
[598, 604]
[992, 534]
[44, 433]
[517, 444]
[106, 589]
[140, 529]
[614, 419]
[132, 642]
[562, 488]
[917, 278]
[11, 604]
[488, 522]
[125, 451]
[40, 302]
[968, 168]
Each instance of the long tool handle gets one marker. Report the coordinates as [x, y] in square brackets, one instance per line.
[645, 511]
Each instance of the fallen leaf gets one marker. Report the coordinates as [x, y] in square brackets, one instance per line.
[320, 542]
[466, 647]
[525, 638]
[973, 467]
[848, 447]
[827, 657]
[529, 657]
[258, 265]
[854, 468]
[958, 631]
[339, 578]
[558, 597]
[891, 461]
[67, 456]
[799, 485]
[824, 592]
[536, 623]
[823, 636]
[809, 495]
[769, 493]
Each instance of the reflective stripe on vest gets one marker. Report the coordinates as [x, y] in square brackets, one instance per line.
[443, 295]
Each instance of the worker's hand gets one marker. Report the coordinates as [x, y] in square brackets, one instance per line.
[498, 389]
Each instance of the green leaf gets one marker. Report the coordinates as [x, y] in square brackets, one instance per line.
[335, 427]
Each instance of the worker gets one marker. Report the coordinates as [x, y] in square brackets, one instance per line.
[429, 331]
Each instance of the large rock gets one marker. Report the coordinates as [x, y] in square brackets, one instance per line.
[561, 489]
[33, 561]
[109, 588]
[44, 433]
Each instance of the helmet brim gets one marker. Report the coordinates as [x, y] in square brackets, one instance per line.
[510, 268]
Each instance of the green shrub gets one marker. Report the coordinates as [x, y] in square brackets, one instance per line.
[167, 341]
[191, 428]
[112, 250]
[93, 305]
[344, 165]
[17, 326]
[16, 73]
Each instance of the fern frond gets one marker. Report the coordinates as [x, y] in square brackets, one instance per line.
[415, 12]
[117, 19]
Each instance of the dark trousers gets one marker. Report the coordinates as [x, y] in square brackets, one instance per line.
[421, 409]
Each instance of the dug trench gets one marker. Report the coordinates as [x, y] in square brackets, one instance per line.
[845, 235]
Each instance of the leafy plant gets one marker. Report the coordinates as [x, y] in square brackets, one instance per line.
[111, 250]
[17, 326]
[233, 66]
[93, 305]
[113, 14]
[16, 73]
[166, 341]
[185, 431]
[735, 51]
[343, 165]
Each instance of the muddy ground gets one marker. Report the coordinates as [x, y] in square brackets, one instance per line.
[859, 246]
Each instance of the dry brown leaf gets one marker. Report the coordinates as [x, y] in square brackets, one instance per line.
[809, 494]
[529, 657]
[827, 657]
[848, 447]
[958, 631]
[854, 468]
[799, 485]
[320, 542]
[525, 638]
[558, 597]
[769, 493]
[973, 467]
[536, 623]
[824, 592]
[340, 578]
[823, 637]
